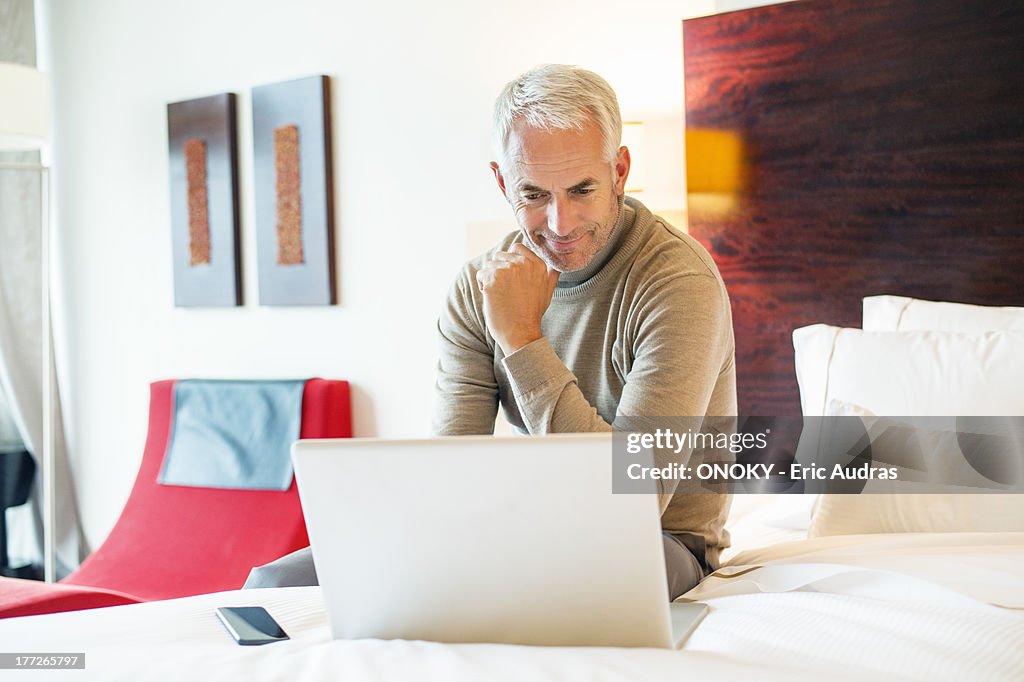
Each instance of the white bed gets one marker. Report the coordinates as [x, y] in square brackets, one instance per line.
[895, 606]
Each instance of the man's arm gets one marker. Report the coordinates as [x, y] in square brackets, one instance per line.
[683, 337]
[466, 400]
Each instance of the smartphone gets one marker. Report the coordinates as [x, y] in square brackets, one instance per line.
[250, 625]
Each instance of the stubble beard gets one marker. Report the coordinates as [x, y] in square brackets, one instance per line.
[557, 261]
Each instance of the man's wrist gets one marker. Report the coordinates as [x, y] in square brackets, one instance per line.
[510, 344]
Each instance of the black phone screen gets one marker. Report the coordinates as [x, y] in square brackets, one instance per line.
[251, 624]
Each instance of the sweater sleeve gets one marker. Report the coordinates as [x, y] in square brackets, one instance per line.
[683, 342]
[547, 393]
[681, 339]
[466, 400]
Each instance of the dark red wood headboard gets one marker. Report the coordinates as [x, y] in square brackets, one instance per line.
[883, 152]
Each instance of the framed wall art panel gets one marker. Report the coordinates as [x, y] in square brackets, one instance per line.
[293, 192]
[203, 156]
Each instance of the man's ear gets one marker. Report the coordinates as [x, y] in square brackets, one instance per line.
[499, 178]
[622, 162]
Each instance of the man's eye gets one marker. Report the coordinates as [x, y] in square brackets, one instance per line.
[584, 190]
[533, 196]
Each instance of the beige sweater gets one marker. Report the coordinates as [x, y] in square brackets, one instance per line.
[645, 330]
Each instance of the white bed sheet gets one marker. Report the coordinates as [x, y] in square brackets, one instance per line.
[182, 639]
[988, 567]
[855, 630]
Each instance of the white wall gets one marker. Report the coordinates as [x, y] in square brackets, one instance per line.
[733, 5]
[413, 84]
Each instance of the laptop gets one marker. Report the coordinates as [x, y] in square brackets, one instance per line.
[480, 539]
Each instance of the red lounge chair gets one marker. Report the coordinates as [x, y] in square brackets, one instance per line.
[175, 541]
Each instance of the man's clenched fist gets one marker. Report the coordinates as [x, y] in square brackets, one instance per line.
[517, 287]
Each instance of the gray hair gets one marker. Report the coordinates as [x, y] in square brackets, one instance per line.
[558, 97]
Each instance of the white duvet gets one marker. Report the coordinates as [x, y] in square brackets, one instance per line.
[988, 567]
[862, 607]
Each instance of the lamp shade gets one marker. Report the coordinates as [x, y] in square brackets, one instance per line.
[633, 138]
[24, 107]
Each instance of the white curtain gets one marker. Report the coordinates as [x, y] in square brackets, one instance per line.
[21, 215]
[21, 368]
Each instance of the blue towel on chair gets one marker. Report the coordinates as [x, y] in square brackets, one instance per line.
[233, 434]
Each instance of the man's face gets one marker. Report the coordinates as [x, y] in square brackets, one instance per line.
[564, 191]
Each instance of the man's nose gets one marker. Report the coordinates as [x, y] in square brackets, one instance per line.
[559, 217]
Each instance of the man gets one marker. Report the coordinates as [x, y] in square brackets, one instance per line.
[593, 309]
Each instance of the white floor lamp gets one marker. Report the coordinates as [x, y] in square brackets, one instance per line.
[24, 125]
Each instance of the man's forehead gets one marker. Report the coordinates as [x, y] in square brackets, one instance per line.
[570, 179]
[537, 158]
[532, 145]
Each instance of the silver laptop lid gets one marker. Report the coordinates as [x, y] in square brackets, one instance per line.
[481, 539]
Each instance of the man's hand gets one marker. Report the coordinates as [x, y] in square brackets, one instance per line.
[517, 287]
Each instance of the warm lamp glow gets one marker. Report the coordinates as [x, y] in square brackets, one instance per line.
[713, 161]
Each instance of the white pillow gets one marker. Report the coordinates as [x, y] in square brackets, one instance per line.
[899, 313]
[917, 513]
[910, 513]
[907, 374]
[910, 373]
